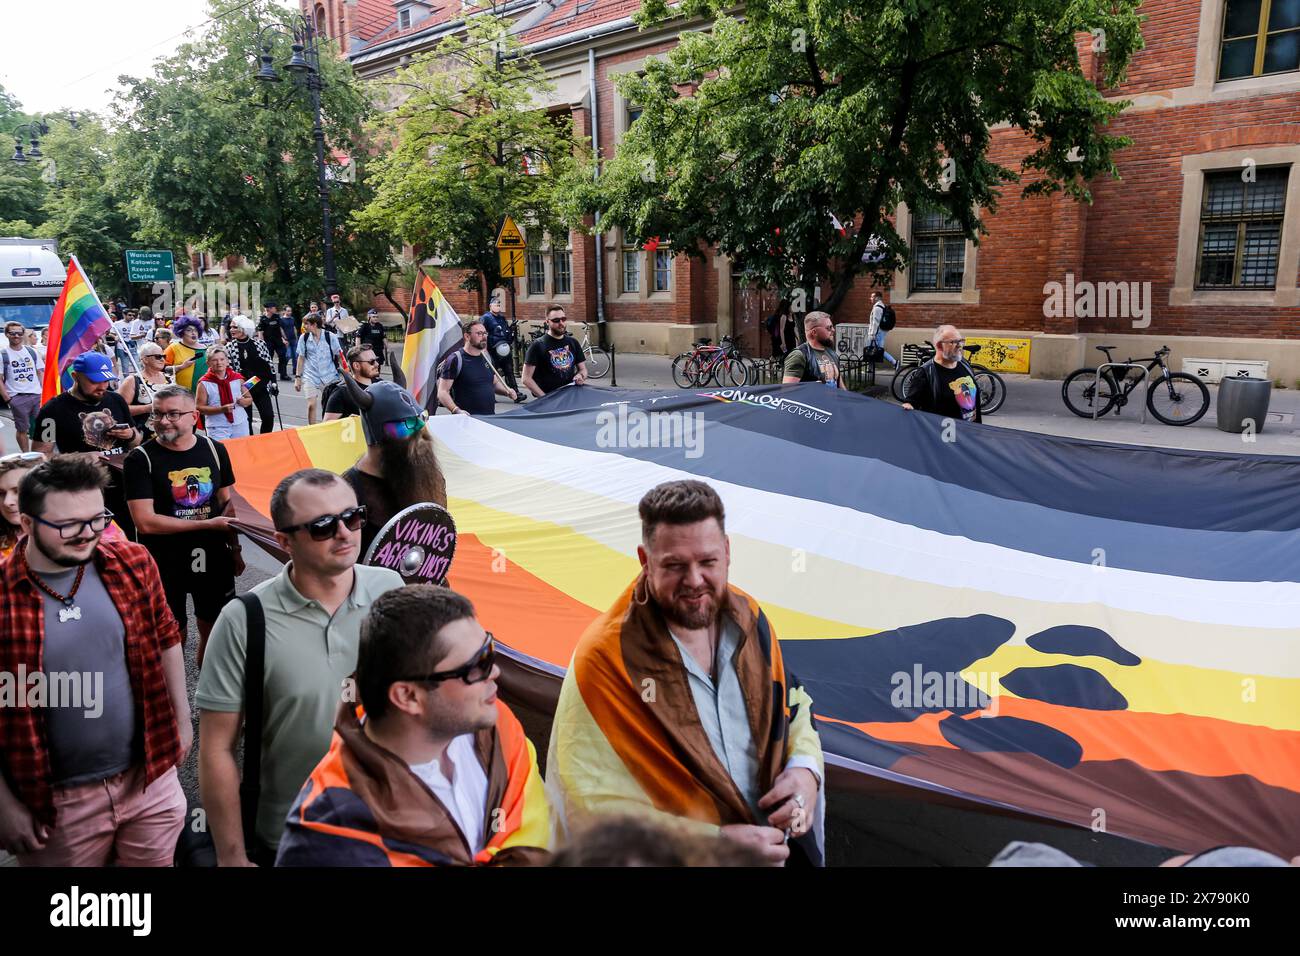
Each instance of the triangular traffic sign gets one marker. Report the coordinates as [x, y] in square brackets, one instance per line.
[510, 237]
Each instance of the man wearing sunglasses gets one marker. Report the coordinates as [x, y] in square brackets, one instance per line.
[945, 385]
[312, 612]
[87, 775]
[555, 359]
[458, 778]
[365, 370]
[467, 381]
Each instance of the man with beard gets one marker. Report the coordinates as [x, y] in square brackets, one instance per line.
[816, 359]
[87, 765]
[400, 467]
[440, 772]
[178, 487]
[338, 401]
[677, 703]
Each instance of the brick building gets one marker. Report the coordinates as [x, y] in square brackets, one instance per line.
[1197, 247]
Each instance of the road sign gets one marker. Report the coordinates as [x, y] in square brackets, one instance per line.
[510, 236]
[150, 265]
[512, 263]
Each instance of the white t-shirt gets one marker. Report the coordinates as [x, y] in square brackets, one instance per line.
[141, 330]
[24, 375]
[464, 796]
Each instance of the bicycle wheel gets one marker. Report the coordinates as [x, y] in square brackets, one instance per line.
[731, 371]
[899, 381]
[597, 361]
[1082, 394]
[992, 391]
[1178, 399]
[686, 369]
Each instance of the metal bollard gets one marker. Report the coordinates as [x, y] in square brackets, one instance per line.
[613, 365]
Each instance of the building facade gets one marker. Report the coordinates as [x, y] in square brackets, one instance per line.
[1196, 247]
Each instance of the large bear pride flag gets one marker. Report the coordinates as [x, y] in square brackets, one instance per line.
[1094, 633]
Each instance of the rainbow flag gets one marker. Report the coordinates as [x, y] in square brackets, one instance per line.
[78, 321]
[432, 330]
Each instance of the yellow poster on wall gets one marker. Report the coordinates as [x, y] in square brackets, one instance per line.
[1001, 355]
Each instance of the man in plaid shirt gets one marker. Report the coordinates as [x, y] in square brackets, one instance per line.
[94, 715]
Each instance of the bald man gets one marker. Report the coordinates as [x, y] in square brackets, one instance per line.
[945, 385]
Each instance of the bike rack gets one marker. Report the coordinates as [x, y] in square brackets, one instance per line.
[1096, 387]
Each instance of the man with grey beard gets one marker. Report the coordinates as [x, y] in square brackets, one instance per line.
[178, 487]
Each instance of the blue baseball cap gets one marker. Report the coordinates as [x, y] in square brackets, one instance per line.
[93, 365]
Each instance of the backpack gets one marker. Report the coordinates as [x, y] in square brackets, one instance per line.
[36, 361]
[887, 318]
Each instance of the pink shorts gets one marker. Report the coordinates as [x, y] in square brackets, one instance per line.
[115, 821]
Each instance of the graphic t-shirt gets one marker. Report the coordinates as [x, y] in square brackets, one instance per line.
[555, 361]
[82, 426]
[178, 353]
[826, 370]
[181, 484]
[23, 376]
[958, 394]
[472, 379]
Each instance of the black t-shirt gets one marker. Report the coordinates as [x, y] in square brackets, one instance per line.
[181, 484]
[269, 326]
[555, 361]
[340, 401]
[473, 387]
[950, 392]
[82, 426]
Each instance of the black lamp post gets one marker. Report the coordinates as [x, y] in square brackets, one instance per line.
[305, 61]
[34, 133]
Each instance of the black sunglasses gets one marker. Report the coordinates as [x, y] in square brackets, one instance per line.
[476, 671]
[323, 528]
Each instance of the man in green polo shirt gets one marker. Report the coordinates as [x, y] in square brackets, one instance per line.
[313, 610]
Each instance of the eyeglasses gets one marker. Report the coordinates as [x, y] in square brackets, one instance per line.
[369, 361]
[74, 529]
[324, 527]
[169, 416]
[559, 318]
[23, 456]
[404, 428]
[953, 342]
[476, 671]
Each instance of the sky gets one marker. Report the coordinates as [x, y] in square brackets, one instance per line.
[71, 60]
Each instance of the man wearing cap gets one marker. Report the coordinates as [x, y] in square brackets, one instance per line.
[400, 467]
[90, 417]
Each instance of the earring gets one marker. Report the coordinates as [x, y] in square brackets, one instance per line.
[641, 602]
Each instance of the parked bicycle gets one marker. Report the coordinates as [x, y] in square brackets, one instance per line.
[721, 364]
[990, 387]
[597, 358]
[1174, 398]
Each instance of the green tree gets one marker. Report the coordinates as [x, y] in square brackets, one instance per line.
[470, 147]
[84, 211]
[758, 130]
[225, 162]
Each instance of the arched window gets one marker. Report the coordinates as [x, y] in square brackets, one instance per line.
[322, 21]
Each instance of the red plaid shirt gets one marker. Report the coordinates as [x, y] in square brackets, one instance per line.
[131, 579]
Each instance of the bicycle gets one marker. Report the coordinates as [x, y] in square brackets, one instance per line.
[989, 385]
[705, 363]
[1172, 396]
[596, 357]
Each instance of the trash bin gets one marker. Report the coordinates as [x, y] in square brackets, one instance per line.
[1243, 400]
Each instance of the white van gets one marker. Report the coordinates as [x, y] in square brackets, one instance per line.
[31, 278]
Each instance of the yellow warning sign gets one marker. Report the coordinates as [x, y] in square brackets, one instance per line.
[510, 237]
[512, 263]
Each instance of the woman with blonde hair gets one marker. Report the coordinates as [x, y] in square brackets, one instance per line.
[13, 468]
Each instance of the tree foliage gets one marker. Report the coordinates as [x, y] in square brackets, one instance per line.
[22, 191]
[216, 158]
[755, 131]
[469, 147]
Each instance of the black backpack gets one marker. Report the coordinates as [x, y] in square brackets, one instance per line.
[887, 319]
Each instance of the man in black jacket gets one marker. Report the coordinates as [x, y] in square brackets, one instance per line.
[945, 385]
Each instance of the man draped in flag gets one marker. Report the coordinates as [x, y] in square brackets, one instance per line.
[432, 331]
[80, 413]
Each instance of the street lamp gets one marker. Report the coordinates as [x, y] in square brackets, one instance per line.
[34, 132]
[305, 61]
